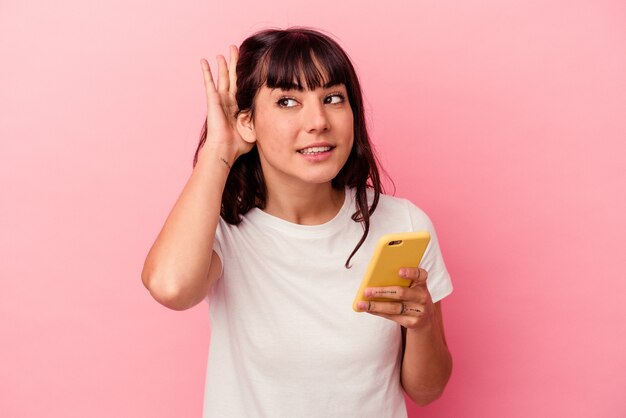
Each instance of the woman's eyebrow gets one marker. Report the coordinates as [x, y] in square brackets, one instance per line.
[285, 89]
[289, 87]
[331, 84]
[300, 88]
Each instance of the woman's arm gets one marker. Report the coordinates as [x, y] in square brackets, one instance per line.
[426, 362]
[180, 267]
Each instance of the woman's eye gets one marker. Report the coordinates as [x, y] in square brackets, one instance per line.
[286, 102]
[334, 99]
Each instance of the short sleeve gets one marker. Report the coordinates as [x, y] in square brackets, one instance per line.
[218, 242]
[439, 283]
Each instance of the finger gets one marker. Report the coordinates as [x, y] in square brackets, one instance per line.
[389, 292]
[418, 275]
[208, 77]
[405, 321]
[391, 308]
[222, 75]
[209, 84]
[232, 69]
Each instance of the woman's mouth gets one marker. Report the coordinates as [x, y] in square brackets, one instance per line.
[314, 150]
[316, 154]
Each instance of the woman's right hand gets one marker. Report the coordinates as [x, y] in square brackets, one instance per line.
[222, 107]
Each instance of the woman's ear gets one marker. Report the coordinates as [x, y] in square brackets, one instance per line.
[245, 127]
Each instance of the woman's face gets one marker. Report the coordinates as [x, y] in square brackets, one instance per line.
[303, 137]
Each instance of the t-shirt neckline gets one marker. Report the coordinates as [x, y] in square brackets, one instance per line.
[258, 217]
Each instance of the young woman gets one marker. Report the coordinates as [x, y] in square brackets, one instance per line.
[275, 228]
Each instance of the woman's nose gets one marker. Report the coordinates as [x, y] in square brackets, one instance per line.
[315, 119]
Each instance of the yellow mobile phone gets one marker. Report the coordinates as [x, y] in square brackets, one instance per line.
[392, 252]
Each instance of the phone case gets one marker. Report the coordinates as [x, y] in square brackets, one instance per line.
[392, 252]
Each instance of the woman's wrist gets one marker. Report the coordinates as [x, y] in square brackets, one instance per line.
[211, 154]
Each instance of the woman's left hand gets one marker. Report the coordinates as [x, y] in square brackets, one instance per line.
[412, 306]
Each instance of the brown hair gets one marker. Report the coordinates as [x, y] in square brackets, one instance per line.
[304, 57]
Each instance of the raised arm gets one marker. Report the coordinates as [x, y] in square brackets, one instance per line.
[181, 266]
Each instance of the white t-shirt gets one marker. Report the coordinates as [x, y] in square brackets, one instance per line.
[285, 341]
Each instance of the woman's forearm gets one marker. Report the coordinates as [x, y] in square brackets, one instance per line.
[427, 363]
[176, 270]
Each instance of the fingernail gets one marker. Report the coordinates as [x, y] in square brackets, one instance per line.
[403, 272]
[367, 293]
[361, 305]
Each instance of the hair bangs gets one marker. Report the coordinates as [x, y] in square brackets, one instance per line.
[301, 62]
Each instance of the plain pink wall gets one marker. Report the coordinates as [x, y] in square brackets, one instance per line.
[505, 121]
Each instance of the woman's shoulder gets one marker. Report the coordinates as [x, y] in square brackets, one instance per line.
[389, 205]
[395, 202]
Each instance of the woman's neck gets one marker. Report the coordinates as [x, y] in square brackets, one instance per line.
[313, 204]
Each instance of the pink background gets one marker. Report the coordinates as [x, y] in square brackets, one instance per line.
[505, 121]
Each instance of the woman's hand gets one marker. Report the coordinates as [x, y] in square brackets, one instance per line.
[222, 107]
[412, 306]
